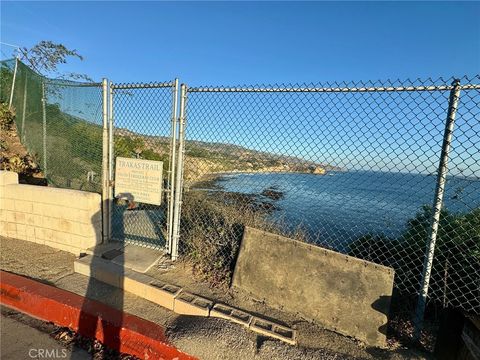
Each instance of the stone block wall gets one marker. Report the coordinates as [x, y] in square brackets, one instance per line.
[68, 220]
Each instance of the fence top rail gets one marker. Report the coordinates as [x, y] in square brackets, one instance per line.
[143, 85]
[333, 89]
[71, 84]
[50, 81]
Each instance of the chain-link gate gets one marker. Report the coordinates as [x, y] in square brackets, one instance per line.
[143, 126]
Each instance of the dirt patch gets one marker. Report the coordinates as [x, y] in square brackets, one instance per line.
[15, 157]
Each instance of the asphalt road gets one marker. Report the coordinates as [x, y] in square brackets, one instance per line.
[19, 341]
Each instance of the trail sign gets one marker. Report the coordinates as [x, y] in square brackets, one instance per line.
[139, 180]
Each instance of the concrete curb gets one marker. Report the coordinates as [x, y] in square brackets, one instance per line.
[90, 318]
[176, 299]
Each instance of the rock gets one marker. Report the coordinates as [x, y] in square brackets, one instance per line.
[272, 194]
[319, 170]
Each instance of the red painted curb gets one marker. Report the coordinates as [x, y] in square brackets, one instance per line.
[117, 330]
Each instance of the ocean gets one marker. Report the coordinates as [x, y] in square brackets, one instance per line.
[338, 208]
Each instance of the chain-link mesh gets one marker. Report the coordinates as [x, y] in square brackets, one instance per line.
[60, 124]
[142, 116]
[7, 68]
[350, 167]
[74, 135]
[455, 278]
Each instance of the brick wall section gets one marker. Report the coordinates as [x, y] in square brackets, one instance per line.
[69, 220]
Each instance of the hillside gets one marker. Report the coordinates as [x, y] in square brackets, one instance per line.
[13, 155]
[74, 152]
[209, 158]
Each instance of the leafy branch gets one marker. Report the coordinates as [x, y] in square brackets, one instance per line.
[46, 56]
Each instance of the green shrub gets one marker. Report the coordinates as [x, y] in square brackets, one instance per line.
[455, 275]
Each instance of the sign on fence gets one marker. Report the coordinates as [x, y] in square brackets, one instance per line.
[139, 180]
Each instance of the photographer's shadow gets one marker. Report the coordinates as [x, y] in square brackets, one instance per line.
[96, 322]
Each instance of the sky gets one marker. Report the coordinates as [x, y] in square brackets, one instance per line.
[226, 43]
[245, 43]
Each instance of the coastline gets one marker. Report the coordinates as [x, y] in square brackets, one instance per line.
[209, 180]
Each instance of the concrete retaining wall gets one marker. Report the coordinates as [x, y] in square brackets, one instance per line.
[342, 293]
[68, 220]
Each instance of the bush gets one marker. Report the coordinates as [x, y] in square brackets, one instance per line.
[212, 230]
[456, 267]
[7, 117]
[378, 249]
[211, 234]
[16, 164]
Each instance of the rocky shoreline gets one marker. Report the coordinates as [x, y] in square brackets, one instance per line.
[264, 201]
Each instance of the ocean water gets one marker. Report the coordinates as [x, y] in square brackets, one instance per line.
[338, 208]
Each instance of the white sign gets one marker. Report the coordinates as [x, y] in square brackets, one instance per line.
[139, 180]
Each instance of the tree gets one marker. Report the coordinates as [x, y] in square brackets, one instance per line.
[46, 56]
[455, 274]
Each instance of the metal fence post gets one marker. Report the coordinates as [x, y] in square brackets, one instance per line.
[437, 207]
[22, 133]
[110, 161]
[44, 125]
[105, 166]
[171, 166]
[179, 174]
[13, 83]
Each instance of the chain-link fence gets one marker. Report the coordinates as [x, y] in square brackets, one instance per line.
[360, 168]
[351, 167]
[60, 124]
[7, 69]
[144, 117]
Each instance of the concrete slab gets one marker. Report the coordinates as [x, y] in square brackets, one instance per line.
[138, 258]
[134, 282]
[268, 328]
[100, 249]
[170, 296]
[189, 304]
[344, 294]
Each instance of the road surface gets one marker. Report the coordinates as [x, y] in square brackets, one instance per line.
[19, 341]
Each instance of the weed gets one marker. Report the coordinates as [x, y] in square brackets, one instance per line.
[212, 229]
